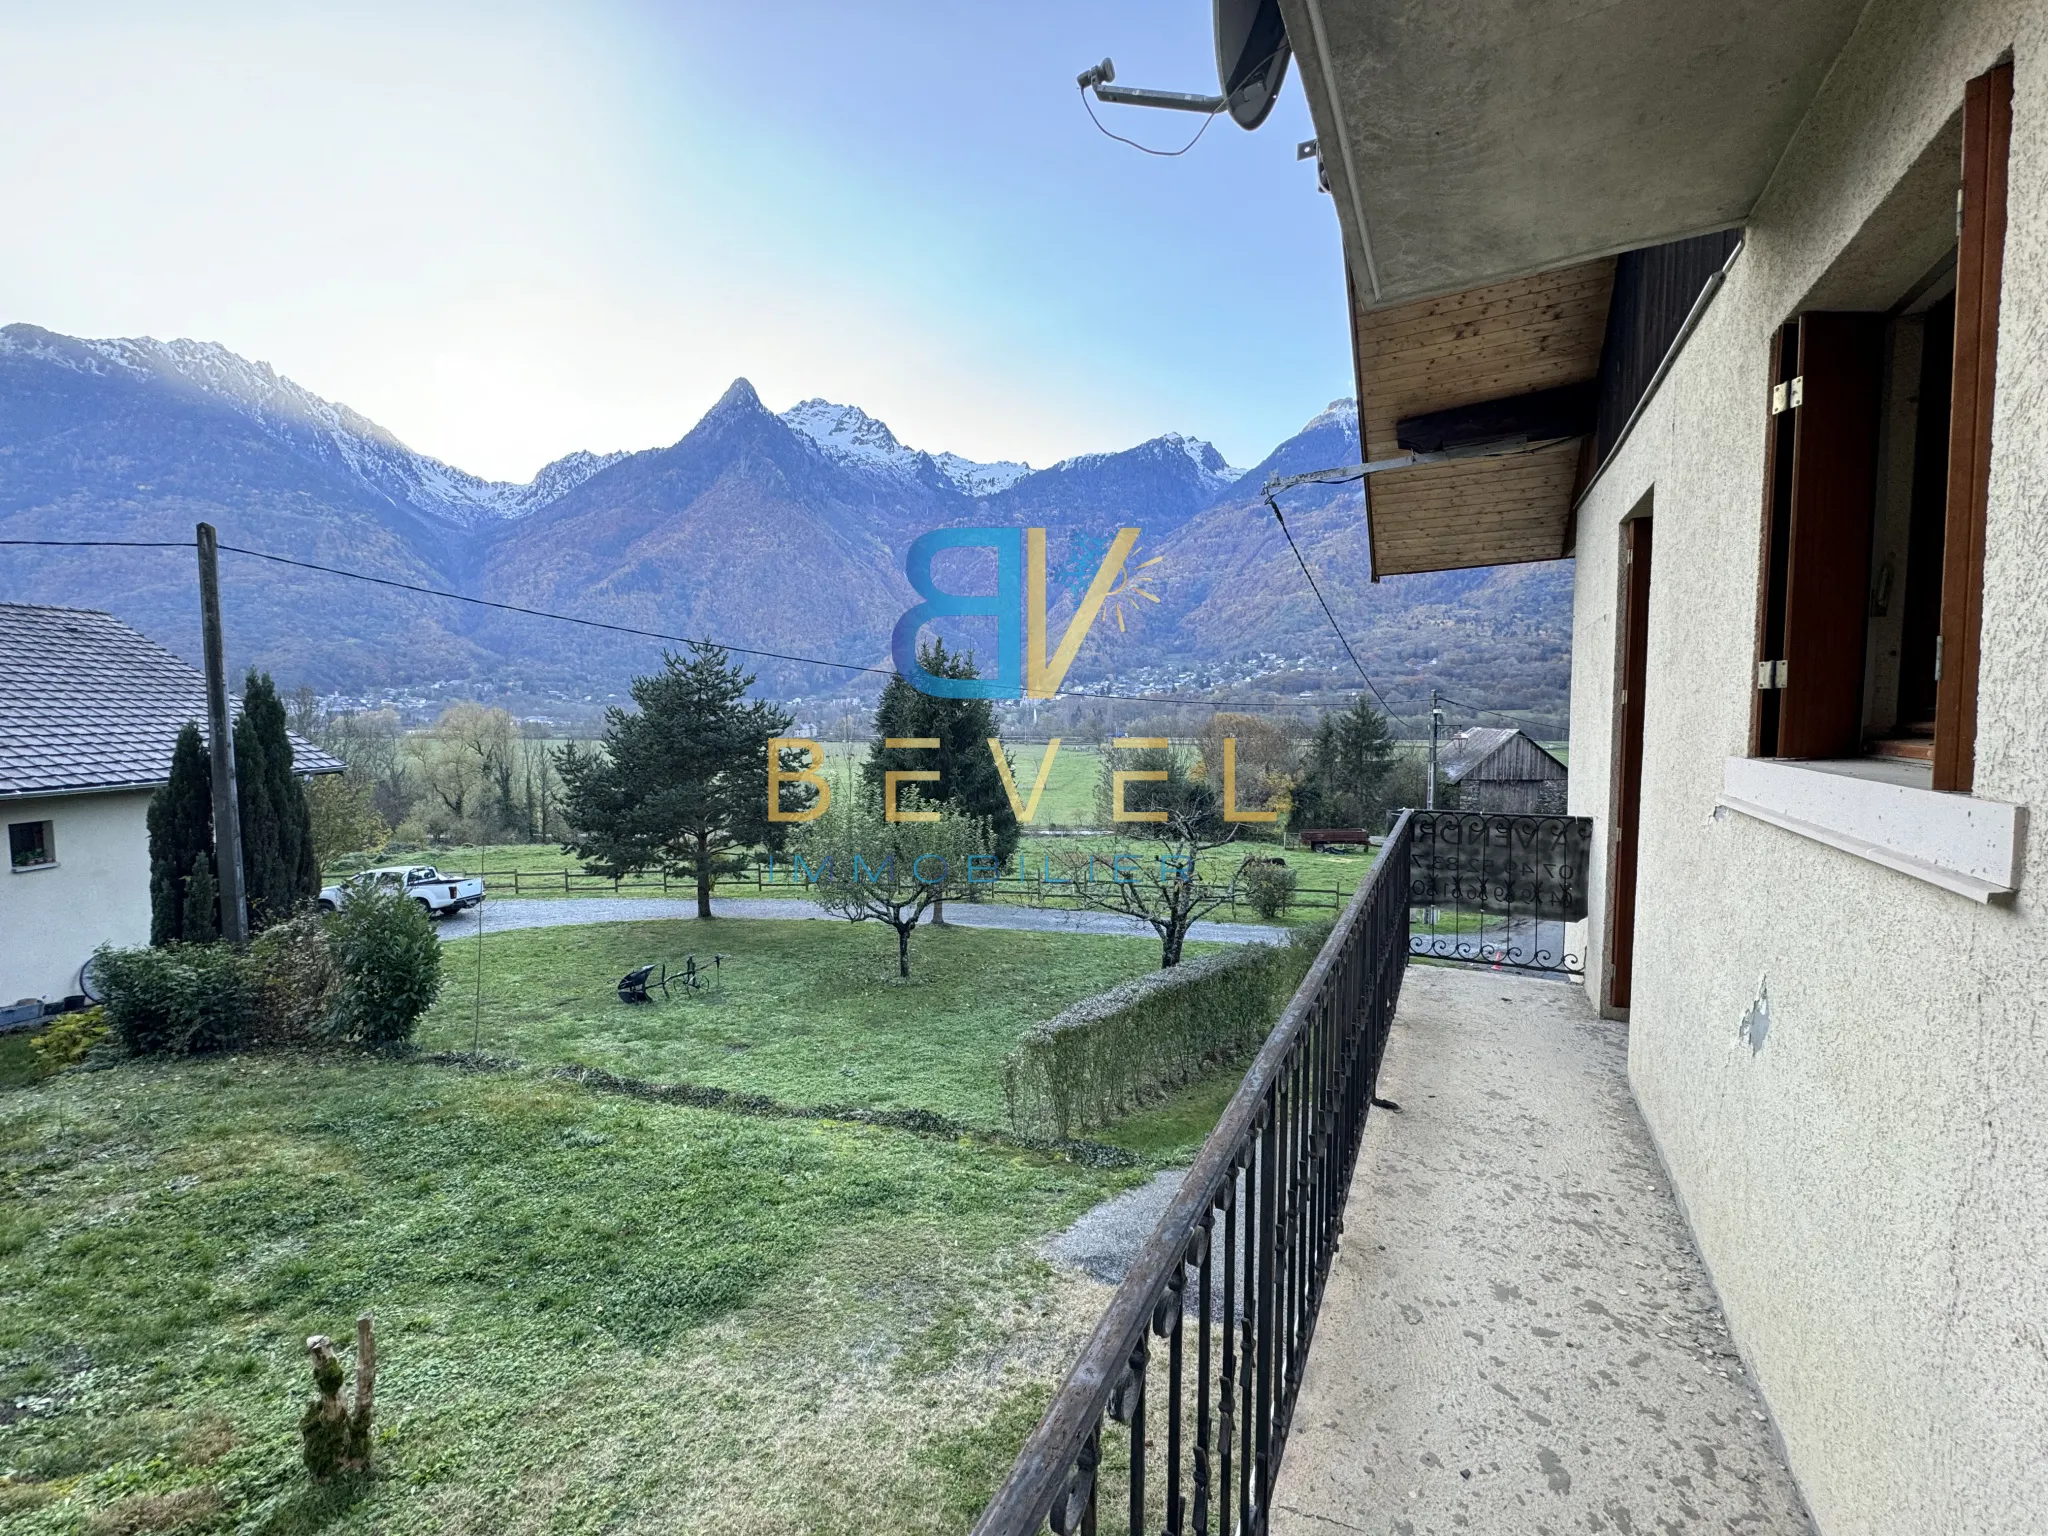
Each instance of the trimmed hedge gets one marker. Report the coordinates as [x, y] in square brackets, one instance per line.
[1110, 1053]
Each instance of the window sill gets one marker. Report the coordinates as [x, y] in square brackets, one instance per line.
[30, 869]
[1883, 810]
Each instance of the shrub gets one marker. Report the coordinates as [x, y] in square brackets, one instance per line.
[1107, 1054]
[183, 999]
[67, 1038]
[296, 981]
[1269, 886]
[389, 961]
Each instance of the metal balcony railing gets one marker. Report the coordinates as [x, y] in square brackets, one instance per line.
[1496, 888]
[1176, 1415]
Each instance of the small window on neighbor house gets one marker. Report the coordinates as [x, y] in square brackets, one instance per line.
[31, 844]
[1873, 583]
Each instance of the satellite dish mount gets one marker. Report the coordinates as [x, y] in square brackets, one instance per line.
[1251, 64]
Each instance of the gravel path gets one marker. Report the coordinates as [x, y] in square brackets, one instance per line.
[501, 913]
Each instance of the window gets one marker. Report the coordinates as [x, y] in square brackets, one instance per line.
[31, 844]
[1877, 469]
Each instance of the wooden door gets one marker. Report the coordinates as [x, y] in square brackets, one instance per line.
[1628, 787]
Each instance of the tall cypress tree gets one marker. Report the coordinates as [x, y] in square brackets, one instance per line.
[181, 841]
[968, 778]
[279, 871]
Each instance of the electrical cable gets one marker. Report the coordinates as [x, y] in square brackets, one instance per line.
[1245, 706]
[1480, 709]
[1342, 638]
[98, 543]
[1164, 154]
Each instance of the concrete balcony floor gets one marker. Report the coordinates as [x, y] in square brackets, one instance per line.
[1518, 1335]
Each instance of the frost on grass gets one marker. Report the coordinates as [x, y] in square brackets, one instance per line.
[889, 1395]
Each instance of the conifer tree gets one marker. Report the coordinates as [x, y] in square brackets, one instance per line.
[279, 871]
[181, 842]
[201, 913]
[968, 778]
[682, 784]
[1346, 771]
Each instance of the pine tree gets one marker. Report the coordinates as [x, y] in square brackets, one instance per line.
[682, 785]
[1346, 772]
[180, 839]
[968, 778]
[279, 871]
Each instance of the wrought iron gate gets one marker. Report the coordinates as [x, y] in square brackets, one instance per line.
[1499, 889]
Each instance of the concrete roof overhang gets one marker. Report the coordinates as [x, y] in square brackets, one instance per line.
[1471, 141]
[1485, 158]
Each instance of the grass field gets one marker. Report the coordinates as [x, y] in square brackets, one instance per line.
[596, 1312]
[805, 1011]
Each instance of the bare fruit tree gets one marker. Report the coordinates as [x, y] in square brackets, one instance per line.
[860, 863]
[1160, 880]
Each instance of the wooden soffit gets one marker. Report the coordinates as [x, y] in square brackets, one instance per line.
[1489, 343]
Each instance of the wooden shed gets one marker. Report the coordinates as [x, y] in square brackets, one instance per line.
[1486, 768]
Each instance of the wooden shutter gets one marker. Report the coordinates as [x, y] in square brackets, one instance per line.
[1827, 572]
[1628, 789]
[1980, 261]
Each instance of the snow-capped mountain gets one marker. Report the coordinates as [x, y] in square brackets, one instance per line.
[782, 533]
[319, 429]
[1210, 469]
[848, 435]
[980, 480]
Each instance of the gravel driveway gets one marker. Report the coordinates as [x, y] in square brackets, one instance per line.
[501, 913]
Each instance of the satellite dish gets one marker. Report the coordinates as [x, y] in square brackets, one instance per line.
[1251, 57]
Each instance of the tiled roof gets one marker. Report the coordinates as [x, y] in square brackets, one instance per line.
[86, 703]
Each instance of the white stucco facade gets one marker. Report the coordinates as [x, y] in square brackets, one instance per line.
[1869, 1183]
[97, 892]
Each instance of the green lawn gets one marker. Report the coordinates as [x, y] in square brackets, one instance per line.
[594, 1313]
[806, 1011]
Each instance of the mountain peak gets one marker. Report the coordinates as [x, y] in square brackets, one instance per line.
[1338, 413]
[739, 396]
[850, 436]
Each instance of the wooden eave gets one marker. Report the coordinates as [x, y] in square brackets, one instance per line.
[1488, 343]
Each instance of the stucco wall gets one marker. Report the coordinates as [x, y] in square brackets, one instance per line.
[52, 919]
[1870, 1190]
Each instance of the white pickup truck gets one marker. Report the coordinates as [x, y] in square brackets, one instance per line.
[441, 895]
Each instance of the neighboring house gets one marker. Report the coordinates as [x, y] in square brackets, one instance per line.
[1498, 768]
[89, 713]
[1810, 721]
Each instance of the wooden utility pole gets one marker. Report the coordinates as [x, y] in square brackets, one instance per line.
[1429, 790]
[227, 804]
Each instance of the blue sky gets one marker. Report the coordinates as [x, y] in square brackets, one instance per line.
[509, 231]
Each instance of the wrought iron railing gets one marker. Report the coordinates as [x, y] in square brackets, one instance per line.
[1499, 889]
[1175, 1417]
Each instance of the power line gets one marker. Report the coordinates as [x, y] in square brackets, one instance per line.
[1247, 706]
[1337, 628]
[1480, 709]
